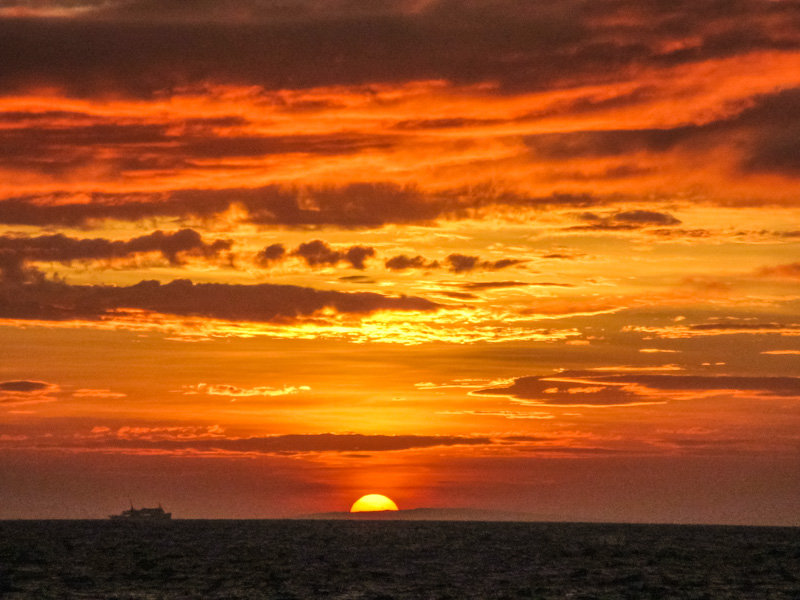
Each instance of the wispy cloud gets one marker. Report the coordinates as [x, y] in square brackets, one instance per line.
[100, 394]
[234, 391]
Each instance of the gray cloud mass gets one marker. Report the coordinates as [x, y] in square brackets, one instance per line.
[594, 388]
[58, 301]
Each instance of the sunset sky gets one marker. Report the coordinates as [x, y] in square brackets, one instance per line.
[259, 258]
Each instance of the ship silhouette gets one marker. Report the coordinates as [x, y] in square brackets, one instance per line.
[142, 514]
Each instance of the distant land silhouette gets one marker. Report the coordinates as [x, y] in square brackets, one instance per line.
[433, 514]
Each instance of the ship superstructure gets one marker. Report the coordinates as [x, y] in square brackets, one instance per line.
[142, 514]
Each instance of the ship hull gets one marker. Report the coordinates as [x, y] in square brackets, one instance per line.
[165, 517]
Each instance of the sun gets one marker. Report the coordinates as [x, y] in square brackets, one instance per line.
[372, 503]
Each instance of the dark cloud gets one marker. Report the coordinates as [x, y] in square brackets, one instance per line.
[552, 284]
[681, 233]
[25, 391]
[559, 146]
[252, 146]
[23, 386]
[767, 128]
[21, 117]
[526, 438]
[151, 49]
[462, 263]
[317, 253]
[290, 444]
[52, 300]
[772, 128]
[233, 11]
[176, 145]
[777, 151]
[446, 123]
[356, 255]
[625, 220]
[57, 150]
[14, 268]
[490, 285]
[16, 253]
[402, 262]
[359, 205]
[60, 248]
[560, 256]
[357, 279]
[142, 47]
[457, 263]
[500, 264]
[561, 390]
[140, 59]
[459, 295]
[592, 388]
[271, 254]
[353, 205]
[351, 442]
[645, 217]
[737, 326]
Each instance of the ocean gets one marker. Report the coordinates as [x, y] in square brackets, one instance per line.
[382, 560]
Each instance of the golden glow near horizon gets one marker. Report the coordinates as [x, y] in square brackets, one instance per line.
[373, 503]
[525, 256]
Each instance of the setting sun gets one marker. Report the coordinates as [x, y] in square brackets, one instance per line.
[372, 503]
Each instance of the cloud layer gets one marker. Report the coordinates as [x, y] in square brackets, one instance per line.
[56, 301]
[591, 388]
[212, 440]
[190, 112]
[16, 252]
[460, 41]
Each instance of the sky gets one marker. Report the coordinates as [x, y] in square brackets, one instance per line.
[259, 258]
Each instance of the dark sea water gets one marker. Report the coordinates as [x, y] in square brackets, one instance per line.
[394, 559]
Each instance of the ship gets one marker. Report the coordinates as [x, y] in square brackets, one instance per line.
[142, 514]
